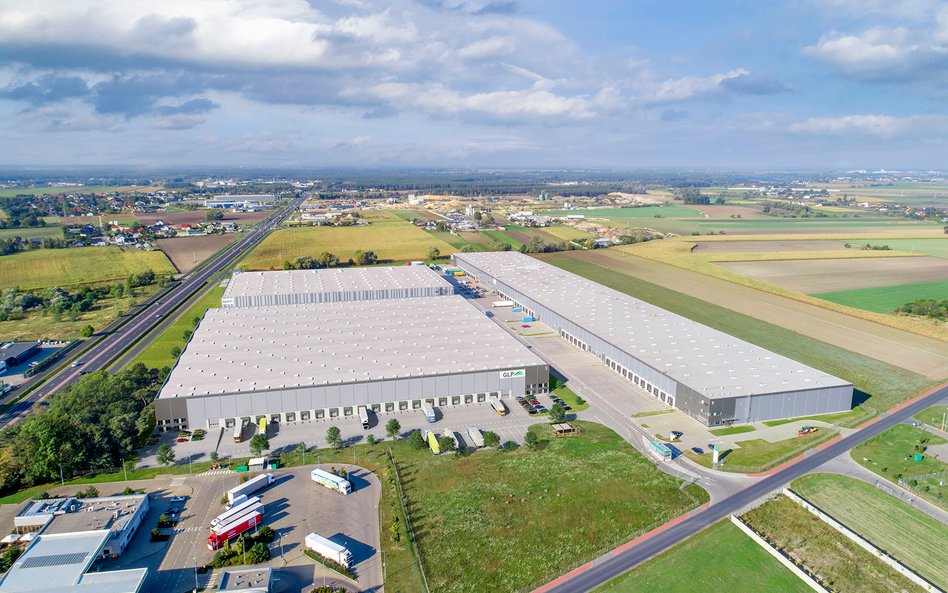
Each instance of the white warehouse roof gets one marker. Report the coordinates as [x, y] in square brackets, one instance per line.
[709, 361]
[247, 349]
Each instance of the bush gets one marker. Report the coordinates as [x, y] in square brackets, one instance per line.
[330, 564]
[491, 439]
[416, 440]
[531, 440]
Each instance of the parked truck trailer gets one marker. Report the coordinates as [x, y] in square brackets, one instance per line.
[329, 549]
[477, 437]
[364, 417]
[224, 533]
[250, 486]
[248, 506]
[331, 481]
[429, 411]
[498, 405]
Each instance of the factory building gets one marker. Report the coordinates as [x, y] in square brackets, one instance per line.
[334, 285]
[293, 363]
[244, 201]
[712, 376]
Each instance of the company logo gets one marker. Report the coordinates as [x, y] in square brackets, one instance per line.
[513, 374]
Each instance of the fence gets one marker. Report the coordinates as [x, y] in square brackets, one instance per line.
[411, 532]
[937, 500]
[51, 359]
[798, 570]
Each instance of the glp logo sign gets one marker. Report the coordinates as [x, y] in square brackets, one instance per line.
[513, 374]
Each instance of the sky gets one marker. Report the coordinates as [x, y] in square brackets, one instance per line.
[737, 85]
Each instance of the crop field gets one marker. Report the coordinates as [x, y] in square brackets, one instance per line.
[830, 275]
[836, 561]
[187, 252]
[789, 245]
[503, 237]
[412, 214]
[932, 247]
[36, 232]
[910, 536]
[886, 384]
[390, 237]
[891, 455]
[91, 189]
[720, 559]
[499, 521]
[886, 299]
[933, 416]
[626, 213]
[179, 217]
[567, 233]
[158, 354]
[43, 268]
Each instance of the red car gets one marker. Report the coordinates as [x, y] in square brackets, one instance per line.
[181, 440]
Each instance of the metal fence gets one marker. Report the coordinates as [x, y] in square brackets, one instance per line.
[405, 504]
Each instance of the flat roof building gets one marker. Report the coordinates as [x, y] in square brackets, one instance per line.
[247, 580]
[297, 287]
[302, 362]
[239, 201]
[714, 377]
[60, 563]
[14, 353]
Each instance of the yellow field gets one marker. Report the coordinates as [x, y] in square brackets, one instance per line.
[390, 237]
[568, 233]
[43, 268]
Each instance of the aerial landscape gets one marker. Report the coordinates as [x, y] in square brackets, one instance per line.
[454, 296]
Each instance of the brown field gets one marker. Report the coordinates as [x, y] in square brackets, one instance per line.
[729, 211]
[193, 216]
[766, 246]
[827, 275]
[187, 252]
[921, 354]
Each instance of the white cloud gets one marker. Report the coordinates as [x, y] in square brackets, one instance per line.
[680, 89]
[875, 125]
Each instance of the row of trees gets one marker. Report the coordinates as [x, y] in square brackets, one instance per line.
[936, 309]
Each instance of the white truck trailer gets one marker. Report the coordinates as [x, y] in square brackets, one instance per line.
[477, 437]
[429, 411]
[249, 487]
[498, 405]
[329, 549]
[242, 508]
[331, 481]
[364, 417]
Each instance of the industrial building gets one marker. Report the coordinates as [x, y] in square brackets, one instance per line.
[714, 377]
[15, 353]
[333, 285]
[240, 201]
[246, 580]
[62, 563]
[295, 363]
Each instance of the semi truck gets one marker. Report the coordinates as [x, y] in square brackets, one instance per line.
[476, 436]
[429, 411]
[329, 549]
[364, 417]
[222, 534]
[249, 487]
[502, 304]
[251, 505]
[262, 427]
[432, 440]
[498, 405]
[331, 481]
[239, 431]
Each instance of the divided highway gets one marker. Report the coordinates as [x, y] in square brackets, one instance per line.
[100, 354]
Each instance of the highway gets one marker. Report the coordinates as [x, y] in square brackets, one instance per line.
[613, 566]
[101, 353]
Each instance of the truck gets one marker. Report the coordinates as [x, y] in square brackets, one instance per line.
[262, 426]
[502, 304]
[239, 431]
[429, 411]
[329, 549]
[331, 481]
[249, 487]
[222, 534]
[432, 440]
[476, 436]
[498, 405]
[251, 505]
[364, 417]
[528, 319]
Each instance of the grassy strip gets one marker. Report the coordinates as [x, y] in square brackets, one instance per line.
[886, 385]
[572, 400]
[720, 559]
[886, 299]
[852, 418]
[729, 430]
[835, 560]
[757, 455]
[908, 535]
[892, 456]
[330, 564]
[933, 416]
[158, 353]
[651, 413]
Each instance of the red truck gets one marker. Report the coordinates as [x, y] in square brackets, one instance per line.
[222, 534]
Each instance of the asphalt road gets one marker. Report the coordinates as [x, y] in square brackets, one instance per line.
[99, 355]
[631, 557]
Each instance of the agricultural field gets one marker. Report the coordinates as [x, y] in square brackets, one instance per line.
[91, 189]
[568, 233]
[179, 217]
[390, 237]
[419, 214]
[892, 456]
[886, 299]
[910, 536]
[767, 246]
[932, 247]
[934, 416]
[619, 214]
[835, 560]
[186, 253]
[830, 275]
[720, 559]
[500, 521]
[52, 231]
[43, 268]
[158, 353]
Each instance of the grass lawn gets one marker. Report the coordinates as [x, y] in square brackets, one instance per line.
[53, 230]
[760, 455]
[886, 299]
[885, 384]
[158, 353]
[390, 237]
[933, 416]
[44, 268]
[569, 396]
[910, 536]
[838, 562]
[891, 455]
[723, 432]
[721, 559]
[567, 233]
[851, 418]
[496, 521]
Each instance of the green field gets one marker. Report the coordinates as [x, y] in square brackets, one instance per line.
[910, 536]
[53, 231]
[758, 454]
[933, 416]
[886, 385]
[886, 299]
[621, 214]
[721, 559]
[502, 237]
[891, 455]
[43, 268]
[838, 562]
[55, 191]
[390, 237]
[567, 233]
[496, 521]
[158, 353]
[932, 247]
[729, 430]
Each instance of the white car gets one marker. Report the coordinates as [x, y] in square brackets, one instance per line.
[178, 498]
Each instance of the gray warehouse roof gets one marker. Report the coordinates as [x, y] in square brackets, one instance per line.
[707, 360]
[247, 349]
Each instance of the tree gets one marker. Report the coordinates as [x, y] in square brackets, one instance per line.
[370, 439]
[557, 413]
[165, 455]
[433, 253]
[186, 334]
[195, 321]
[487, 220]
[259, 444]
[258, 554]
[416, 440]
[447, 444]
[87, 331]
[214, 214]
[301, 447]
[392, 428]
[366, 258]
[491, 439]
[175, 351]
[334, 437]
[215, 457]
[467, 248]
[531, 440]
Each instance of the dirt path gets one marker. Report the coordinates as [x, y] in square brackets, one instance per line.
[920, 354]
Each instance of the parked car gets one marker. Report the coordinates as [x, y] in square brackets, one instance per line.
[178, 499]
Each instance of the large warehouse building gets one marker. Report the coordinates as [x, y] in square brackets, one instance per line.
[293, 363]
[715, 378]
[297, 287]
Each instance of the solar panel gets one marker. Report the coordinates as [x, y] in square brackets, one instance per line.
[54, 560]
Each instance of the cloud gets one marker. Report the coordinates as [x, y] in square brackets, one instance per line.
[688, 87]
[874, 125]
[47, 88]
[753, 84]
[192, 107]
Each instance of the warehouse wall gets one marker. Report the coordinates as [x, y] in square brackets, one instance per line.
[335, 297]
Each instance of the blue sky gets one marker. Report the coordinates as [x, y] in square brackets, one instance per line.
[735, 85]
